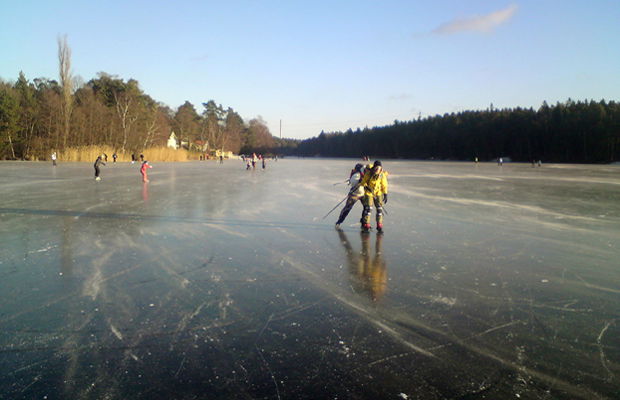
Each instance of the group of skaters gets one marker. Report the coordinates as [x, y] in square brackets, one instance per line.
[104, 157]
[250, 162]
[101, 160]
[369, 184]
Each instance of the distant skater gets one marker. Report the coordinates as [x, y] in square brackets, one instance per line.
[141, 157]
[355, 193]
[98, 162]
[143, 169]
[114, 157]
[133, 158]
[264, 163]
[54, 159]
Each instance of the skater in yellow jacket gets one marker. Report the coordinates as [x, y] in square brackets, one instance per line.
[375, 192]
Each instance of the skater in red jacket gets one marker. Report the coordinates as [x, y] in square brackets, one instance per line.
[143, 168]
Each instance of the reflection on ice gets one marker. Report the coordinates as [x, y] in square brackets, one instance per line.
[368, 272]
[145, 191]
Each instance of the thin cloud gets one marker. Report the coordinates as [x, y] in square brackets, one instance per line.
[399, 96]
[200, 58]
[483, 23]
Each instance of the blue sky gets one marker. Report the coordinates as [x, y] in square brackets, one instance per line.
[328, 65]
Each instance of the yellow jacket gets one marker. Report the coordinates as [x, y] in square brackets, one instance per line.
[375, 185]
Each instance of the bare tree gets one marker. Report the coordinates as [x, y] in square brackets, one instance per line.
[126, 118]
[66, 84]
[151, 125]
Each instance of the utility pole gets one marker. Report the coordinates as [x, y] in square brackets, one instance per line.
[280, 129]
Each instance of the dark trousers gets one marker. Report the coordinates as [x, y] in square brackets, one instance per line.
[351, 200]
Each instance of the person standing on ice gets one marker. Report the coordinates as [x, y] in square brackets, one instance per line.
[98, 163]
[54, 159]
[375, 191]
[143, 168]
[355, 193]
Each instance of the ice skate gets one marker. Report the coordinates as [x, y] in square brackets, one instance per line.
[380, 228]
[366, 227]
[97, 178]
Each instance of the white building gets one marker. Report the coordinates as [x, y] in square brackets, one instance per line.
[172, 141]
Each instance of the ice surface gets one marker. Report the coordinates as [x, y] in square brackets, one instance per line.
[216, 282]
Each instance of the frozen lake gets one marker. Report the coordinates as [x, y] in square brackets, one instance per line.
[213, 282]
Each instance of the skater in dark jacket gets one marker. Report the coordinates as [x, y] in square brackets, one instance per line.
[355, 193]
[98, 163]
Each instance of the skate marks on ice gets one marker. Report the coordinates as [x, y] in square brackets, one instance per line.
[175, 298]
[496, 204]
[604, 360]
[425, 340]
[123, 324]
[473, 177]
[132, 305]
[220, 223]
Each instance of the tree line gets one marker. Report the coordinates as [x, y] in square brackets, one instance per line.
[39, 116]
[568, 132]
[45, 115]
